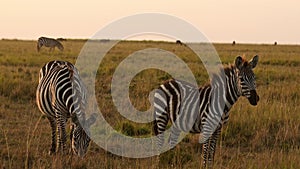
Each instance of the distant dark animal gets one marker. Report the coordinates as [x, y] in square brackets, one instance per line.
[61, 39]
[179, 42]
[233, 43]
[275, 43]
[192, 109]
[50, 43]
[61, 95]
[104, 40]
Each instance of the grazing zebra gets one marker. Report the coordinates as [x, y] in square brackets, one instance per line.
[49, 42]
[190, 108]
[61, 95]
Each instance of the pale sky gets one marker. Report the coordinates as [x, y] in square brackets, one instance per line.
[251, 21]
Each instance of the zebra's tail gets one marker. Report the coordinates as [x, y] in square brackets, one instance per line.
[71, 71]
[155, 127]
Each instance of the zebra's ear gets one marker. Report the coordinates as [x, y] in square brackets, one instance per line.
[91, 120]
[253, 61]
[238, 62]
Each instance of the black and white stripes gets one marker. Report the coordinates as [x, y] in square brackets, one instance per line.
[203, 110]
[49, 42]
[61, 95]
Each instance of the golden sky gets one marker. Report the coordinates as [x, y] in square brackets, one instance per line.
[252, 21]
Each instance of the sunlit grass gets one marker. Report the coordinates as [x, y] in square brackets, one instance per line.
[265, 136]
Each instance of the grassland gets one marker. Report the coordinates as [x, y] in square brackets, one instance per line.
[265, 136]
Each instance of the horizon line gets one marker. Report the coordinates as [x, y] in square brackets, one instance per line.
[160, 40]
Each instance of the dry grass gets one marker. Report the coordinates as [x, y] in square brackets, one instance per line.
[265, 136]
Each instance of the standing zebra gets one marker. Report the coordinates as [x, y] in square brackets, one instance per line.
[192, 109]
[61, 95]
[49, 42]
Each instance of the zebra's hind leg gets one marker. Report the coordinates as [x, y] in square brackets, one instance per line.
[51, 49]
[71, 138]
[62, 136]
[53, 135]
[212, 146]
[175, 132]
[160, 125]
[161, 117]
[209, 149]
[160, 129]
[38, 47]
[205, 147]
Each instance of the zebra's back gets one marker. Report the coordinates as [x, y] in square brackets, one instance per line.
[60, 88]
[182, 104]
[48, 67]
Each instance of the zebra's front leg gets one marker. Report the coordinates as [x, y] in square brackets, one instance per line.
[53, 135]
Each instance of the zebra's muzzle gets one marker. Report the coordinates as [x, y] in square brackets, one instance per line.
[254, 98]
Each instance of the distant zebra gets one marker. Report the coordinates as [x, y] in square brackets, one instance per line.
[190, 108]
[179, 42]
[49, 42]
[61, 95]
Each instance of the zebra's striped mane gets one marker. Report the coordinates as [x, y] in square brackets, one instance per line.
[228, 70]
